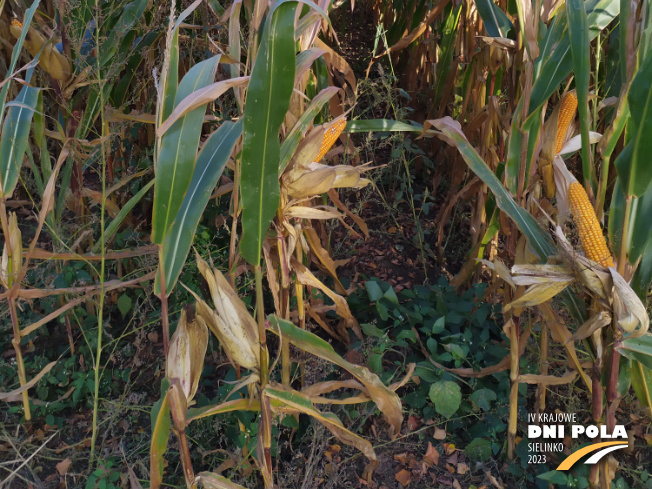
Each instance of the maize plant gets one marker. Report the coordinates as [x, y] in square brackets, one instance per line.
[276, 182]
[546, 268]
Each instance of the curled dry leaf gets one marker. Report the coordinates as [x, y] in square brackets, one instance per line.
[432, 455]
[404, 477]
[630, 311]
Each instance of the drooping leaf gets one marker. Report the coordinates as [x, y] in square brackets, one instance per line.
[268, 99]
[386, 400]
[538, 240]
[290, 400]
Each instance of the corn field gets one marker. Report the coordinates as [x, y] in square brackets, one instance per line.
[325, 243]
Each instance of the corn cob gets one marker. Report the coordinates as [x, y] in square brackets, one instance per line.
[566, 115]
[330, 136]
[588, 227]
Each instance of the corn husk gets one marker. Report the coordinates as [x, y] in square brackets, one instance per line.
[230, 321]
[185, 359]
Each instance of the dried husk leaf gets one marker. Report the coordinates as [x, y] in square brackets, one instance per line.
[537, 294]
[230, 322]
[567, 378]
[228, 304]
[232, 339]
[628, 308]
[537, 274]
[595, 323]
[187, 351]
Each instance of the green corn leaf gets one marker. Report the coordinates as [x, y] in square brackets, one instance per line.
[178, 149]
[209, 167]
[643, 276]
[160, 418]
[642, 383]
[15, 136]
[128, 18]
[210, 480]
[268, 99]
[495, 21]
[538, 239]
[446, 61]
[382, 125]
[639, 349]
[556, 57]
[29, 14]
[578, 31]
[633, 165]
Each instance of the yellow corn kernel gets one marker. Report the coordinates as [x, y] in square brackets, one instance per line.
[588, 227]
[566, 115]
[17, 23]
[330, 136]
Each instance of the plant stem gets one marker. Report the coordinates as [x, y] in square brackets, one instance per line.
[165, 320]
[260, 314]
[602, 188]
[513, 394]
[22, 378]
[624, 240]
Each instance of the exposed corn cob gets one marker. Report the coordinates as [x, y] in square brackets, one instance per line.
[566, 115]
[588, 227]
[330, 136]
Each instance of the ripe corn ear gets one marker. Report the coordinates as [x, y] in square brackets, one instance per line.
[588, 227]
[566, 115]
[330, 136]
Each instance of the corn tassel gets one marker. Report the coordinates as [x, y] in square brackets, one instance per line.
[566, 115]
[330, 136]
[588, 227]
